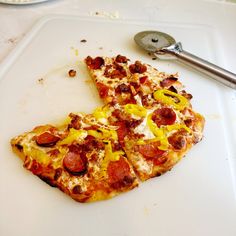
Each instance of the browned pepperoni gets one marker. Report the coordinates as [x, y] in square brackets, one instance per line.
[47, 139]
[121, 59]
[122, 130]
[95, 63]
[151, 150]
[103, 90]
[75, 162]
[164, 116]
[119, 173]
[122, 88]
[137, 67]
[177, 140]
[167, 82]
[143, 79]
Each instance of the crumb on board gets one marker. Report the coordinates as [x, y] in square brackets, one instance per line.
[83, 40]
[40, 81]
[72, 73]
[100, 48]
[111, 15]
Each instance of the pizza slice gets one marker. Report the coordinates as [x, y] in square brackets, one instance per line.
[119, 80]
[155, 137]
[83, 158]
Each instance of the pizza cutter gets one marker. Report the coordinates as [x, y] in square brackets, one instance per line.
[163, 46]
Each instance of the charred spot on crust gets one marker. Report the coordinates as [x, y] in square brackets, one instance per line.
[19, 146]
[47, 180]
[58, 173]
[173, 89]
[77, 189]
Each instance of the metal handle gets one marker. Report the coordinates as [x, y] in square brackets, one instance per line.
[223, 76]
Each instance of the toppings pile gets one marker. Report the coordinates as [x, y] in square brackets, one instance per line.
[145, 127]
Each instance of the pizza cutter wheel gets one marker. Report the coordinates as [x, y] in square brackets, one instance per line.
[163, 46]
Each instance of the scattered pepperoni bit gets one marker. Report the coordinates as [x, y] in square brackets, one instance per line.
[143, 79]
[102, 90]
[121, 59]
[167, 82]
[164, 116]
[75, 121]
[47, 139]
[188, 122]
[186, 95]
[72, 73]
[122, 88]
[122, 131]
[177, 140]
[75, 162]
[92, 143]
[119, 174]
[137, 67]
[95, 63]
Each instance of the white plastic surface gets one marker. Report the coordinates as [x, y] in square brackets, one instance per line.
[21, 2]
[196, 198]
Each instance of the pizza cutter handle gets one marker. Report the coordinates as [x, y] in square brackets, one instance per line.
[221, 75]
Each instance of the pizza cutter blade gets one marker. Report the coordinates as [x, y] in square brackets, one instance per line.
[164, 46]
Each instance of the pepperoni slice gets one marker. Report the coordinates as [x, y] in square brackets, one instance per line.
[151, 150]
[119, 173]
[75, 163]
[103, 90]
[47, 139]
[122, 131]
[164, 116]
[95, 63]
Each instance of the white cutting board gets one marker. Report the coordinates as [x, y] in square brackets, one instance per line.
[196, 198]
